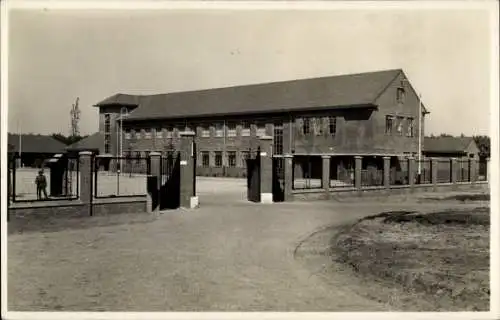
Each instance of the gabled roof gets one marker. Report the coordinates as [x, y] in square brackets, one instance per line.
[352, 91]
[446, 144]
[90, 143]
[35, 143]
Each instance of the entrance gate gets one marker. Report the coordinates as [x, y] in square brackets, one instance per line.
[253, 177]
[170, 181]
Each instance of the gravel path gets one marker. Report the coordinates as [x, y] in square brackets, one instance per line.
[233, 257]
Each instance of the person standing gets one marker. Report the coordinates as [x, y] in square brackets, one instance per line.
[41, 185]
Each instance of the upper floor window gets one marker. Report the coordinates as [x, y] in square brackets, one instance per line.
[411, 124]
[128, 134]
[219, 129]
[244, 156]
[205, 131]
[159, 133]
[245, 128]
[317, 126]
[147, 134]
[231, 129]
[389, 122]
[400, 95]
[231, 158]
[306, 126]
[170, 132]
[332, 125]
[400, 123]
[107, 144]
[107, 123]
[261, 129]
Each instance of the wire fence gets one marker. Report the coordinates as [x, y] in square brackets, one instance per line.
[463, 170]
[120, 176]
[372, 177]
[307, 173]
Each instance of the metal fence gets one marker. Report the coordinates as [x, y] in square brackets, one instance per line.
[56, 178]
[120, 176]
[463, 170]
[342, 178]
[443, 171]
[425, 166]
[372, 177]
[307, 173]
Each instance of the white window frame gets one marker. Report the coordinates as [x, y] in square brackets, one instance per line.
[245, 132]
[260, 129]
[219, 130]
[159, 133]
[128, 134]
[410, 128]
[147, 133]
[231, 132]
[205, 131]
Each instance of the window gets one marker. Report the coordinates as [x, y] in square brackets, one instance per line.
[306, 126]
[128, 134]
[107, 123]
[245, 129]
[219, 130]
[205, 131]
[159, 133]
[400, 125]
[388, 124]
[231, 158]
[218, 159]
[261, 129]
[409, 133]
[231, 129]
[205, 159]
[244, 156]
[147, 134]
[107, 144]
[400, 95]
[170, 132]
[317, 126]
[332, 125]
[278, 138]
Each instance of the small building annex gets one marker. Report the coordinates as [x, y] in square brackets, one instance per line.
[373, 114]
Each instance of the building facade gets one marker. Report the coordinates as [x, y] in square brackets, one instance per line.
[372, 114]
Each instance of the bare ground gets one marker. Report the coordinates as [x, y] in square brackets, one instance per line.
[436, 260]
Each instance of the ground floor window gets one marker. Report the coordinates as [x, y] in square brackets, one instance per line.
[231, 157]
[205, 159]
[244, 156]
[218, 159]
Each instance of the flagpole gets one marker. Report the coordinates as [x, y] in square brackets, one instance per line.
[419, 133]
[20, 142]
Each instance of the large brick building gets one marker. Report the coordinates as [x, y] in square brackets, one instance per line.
[371, 114]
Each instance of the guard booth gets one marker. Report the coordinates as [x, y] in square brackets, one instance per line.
[58, 167]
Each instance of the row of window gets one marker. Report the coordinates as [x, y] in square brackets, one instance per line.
[402, 125]
[316, 126]
[172, 131]
[218, 158]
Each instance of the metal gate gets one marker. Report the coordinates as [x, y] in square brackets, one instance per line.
[253, 177]
[278, 179]
[170, 191]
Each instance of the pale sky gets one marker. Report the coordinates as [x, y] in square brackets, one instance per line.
[56, 56]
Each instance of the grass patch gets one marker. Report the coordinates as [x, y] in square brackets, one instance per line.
[442, 256]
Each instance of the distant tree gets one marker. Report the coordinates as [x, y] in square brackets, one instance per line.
[445, 135]
[483, 143]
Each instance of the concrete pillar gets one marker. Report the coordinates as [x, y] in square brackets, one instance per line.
[288, 168]
[454, 167]
[357, 172]
[387, 172]
[434, 173]
[488, 170]
[411, 172]
[472, 170]
[187, 175]
[266, 169]
[326, 175]
[86, 175]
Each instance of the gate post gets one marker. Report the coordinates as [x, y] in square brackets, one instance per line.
[266, 169]
[434, 177]
[453, 166]
[86, 195]
[387, 172]
[325, 178]
[188, 198]
[155, 171]
[288, 168]
[357, 173]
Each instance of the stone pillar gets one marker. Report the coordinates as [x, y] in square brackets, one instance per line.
[155, 158]
[434, 173]
[454, 167]
[411, 172]
[288, 172]
[488, 170]
[86, 177]
[357, 172]
[266, 169]
[187, 176]
[387, 172]
[472, 170]
[326, 175]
